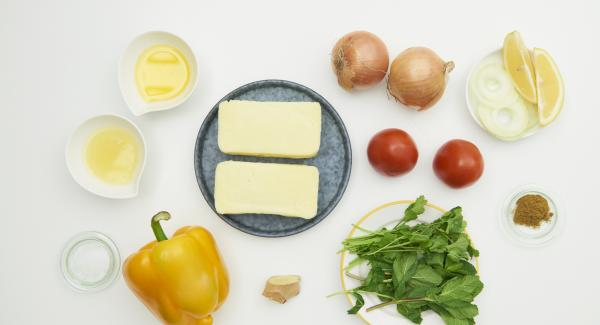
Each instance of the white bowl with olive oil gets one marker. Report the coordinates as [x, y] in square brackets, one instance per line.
[106, 155]
[157, 72]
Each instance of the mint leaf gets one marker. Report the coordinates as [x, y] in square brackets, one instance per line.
[435, 259]
[425, 276]
[360, 302]
[415, 209]
[460, 267]
[420, 237]
[408, 310]
[455, 223]
[463, 288]
[472, 251]
[448, 318]
[437, 244]
[462, 310]
[404, 267]
[458, 249]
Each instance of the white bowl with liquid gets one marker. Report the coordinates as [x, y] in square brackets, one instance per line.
[127, 72]
[75, 156]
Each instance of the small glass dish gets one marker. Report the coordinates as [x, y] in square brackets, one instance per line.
[90, 262]
[529, 236]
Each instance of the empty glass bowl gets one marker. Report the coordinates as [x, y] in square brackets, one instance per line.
[90, 262]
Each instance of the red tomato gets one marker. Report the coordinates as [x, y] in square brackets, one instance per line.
[458, 163]
[392, 152]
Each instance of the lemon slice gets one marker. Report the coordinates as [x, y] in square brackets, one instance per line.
[549, 84]
[517, 61]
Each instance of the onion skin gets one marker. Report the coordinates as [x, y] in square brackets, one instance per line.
[417, 77]
[360, 60]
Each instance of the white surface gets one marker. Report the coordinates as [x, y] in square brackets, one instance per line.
[74, 156]
[58, 66]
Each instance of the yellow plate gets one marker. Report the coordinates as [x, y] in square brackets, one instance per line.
[385, 215]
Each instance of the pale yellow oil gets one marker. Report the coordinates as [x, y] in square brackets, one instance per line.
[113, 155]
[162, 72]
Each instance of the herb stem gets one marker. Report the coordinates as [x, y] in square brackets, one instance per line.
[354, 276]
[390, 245]
[395, 302]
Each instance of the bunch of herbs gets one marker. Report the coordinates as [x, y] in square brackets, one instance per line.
[419, 266]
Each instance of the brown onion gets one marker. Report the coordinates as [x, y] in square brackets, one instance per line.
[360, 60]
[417, 77]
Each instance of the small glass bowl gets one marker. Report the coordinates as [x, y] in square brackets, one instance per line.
[528, 236]
[90, 262]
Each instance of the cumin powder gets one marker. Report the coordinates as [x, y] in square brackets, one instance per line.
[532, 210]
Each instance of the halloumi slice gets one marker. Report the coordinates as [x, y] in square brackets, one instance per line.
[270, 129]
[266, 188]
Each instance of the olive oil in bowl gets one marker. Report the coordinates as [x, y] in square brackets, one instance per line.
[113, 155]
[162, 73]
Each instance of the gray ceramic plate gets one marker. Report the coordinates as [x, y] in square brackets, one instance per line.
[334, 159]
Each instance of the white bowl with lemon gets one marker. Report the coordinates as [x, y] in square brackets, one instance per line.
[157, 72]
[513, 92]
[106, 156]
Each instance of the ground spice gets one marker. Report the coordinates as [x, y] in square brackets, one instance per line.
[532, 210]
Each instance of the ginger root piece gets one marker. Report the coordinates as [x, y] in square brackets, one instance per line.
[280, 288]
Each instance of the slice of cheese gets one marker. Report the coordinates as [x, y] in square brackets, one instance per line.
[265, 188]
[270, 129]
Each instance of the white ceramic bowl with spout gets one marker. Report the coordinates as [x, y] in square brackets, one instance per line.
[75, 157]
[127, 82]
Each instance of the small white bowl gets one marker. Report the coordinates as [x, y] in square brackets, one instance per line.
[78, 168]
[127, 82]
[471, 105]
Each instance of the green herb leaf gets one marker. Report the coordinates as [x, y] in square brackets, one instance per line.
[456, 224]
[460, 267]
[458, 249]
[437, 244]
[414, 210]
[410, 311]
[463, 310]
[448, 318]
[404, 267]
[463, 288]
[472, 251]
[374, 279]
[425, 276]
[435, 259]
[360, 302]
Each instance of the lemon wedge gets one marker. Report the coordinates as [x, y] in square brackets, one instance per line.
[517, 61]
[549, 85]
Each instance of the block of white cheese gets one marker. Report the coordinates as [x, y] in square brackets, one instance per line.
[270, 129]
[266, 188]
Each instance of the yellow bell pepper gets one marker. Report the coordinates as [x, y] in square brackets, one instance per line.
[182, 280]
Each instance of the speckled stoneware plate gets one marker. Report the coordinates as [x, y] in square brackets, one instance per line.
[334, 159]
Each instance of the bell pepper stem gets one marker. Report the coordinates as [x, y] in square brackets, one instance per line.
[156, 227]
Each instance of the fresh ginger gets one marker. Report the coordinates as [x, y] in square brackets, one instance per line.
[280, 288]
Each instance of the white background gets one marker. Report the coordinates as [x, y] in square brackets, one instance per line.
[58, 66]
